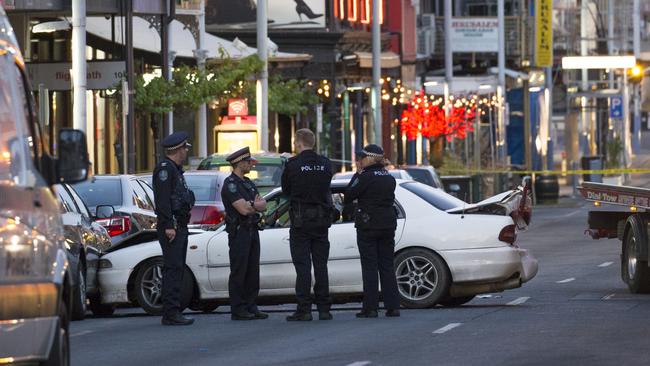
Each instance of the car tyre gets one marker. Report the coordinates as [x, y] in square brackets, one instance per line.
[635, 271]
[98, 309]
[79, 295]
[423, 278]
[208, 307]
[456, 301]
[148, 287]
[60, 351]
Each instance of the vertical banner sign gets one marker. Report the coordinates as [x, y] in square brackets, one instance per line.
[544, 33]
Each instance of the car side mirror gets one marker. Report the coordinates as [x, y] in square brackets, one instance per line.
[104, 212]
[72, 163]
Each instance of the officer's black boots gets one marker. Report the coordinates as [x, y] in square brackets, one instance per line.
[367, 314]
[245, 315]
[392, 313]
[299, 316]
[324, 315]
[260, 315]
[177, 319]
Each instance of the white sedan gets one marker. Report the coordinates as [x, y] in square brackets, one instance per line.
[446, 252]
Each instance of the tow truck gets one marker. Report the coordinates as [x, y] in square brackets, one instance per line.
[628, 221]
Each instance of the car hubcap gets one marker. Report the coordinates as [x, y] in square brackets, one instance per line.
[631, 258]
[417, 278]
[152, 285]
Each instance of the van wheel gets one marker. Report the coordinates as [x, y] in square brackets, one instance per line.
[634, 270]
[79, 295]
[422, 278]
[98, 309]
[60, 351]
[148, 287]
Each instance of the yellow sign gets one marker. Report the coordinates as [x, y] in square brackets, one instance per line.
[543, 33]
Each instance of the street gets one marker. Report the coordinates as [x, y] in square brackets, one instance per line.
[576, 311]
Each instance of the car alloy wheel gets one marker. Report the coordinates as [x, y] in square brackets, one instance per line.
[148, 286]
[417, 278]
[151, 288]
[423, 278]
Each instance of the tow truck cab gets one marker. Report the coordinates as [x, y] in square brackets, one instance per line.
[35, 286]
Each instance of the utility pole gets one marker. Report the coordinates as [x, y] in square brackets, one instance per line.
[79, 66]
[375, 102]
[636, 42]
[130, 79]
[263, 81]
[201, 56]
[168, 58]
[501, 64]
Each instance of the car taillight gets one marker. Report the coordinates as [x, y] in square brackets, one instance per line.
[116, 225]
[508, 234]
[211, 216]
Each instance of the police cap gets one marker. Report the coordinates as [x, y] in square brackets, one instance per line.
[240, 155]
[372, 150]
[176, 140]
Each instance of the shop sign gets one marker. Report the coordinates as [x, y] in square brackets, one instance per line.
[56, 76]
[282, 14]
[474, 35]
[543, 33]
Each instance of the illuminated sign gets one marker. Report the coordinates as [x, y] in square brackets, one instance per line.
[474, 35]
[357, 11]
[237, 107]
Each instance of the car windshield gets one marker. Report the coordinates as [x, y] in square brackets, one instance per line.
[203, 186]
[95, 192]
[422, 176]
[434, 196]
[263, 175]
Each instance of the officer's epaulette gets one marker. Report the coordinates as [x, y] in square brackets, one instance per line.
[164, 163]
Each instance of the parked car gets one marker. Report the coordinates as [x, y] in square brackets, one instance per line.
[465, 250]
[85, 241]
[396, 173]
[208, 210]
[425, 174]
[123, 204]
[266, 173]
[35, 279]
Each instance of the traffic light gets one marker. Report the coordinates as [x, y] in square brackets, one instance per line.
[635, 74]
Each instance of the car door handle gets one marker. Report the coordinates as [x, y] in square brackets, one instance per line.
[193, 246]
[286, 239]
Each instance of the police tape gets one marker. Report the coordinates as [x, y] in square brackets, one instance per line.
[445, 172]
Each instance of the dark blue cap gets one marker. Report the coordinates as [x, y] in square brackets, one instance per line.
[371, 150]
[239, 155]
[176, 140]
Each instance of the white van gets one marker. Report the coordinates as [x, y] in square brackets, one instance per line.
[35, 286]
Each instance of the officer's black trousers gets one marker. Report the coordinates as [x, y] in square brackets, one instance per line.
[309, 246]
[376, 248]
[174, 254]
[244, 281]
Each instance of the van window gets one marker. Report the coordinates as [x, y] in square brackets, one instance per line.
[16, 142]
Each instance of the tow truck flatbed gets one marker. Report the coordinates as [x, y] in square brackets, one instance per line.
[633, 197]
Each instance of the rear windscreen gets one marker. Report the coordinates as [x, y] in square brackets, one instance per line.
[203, 186]
[95, 192]
[434, 196]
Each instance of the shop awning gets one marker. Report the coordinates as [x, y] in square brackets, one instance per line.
[146, 38]
[389, 60]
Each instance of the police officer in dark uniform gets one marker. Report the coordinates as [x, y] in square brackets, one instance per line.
[174, 200]
[376, 220]
[243, 204]
[306, 180]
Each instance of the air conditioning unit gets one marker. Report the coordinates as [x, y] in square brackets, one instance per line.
[426, 42]
[428, 21]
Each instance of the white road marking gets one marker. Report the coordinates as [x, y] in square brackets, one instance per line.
[566, 280]
[359, 363]
[608, 297]
[83, 332]
[447, 328]
[606, 264]
[518, 301]
[571, 213]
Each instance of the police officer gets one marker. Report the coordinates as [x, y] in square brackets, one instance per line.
[174, 200]
[375, 219]
[306, 180]
[243, 203]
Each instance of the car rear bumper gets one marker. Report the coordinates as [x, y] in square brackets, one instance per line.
[112, 285]
[490, 265]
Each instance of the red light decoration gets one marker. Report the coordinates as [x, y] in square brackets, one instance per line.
[422, 116]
